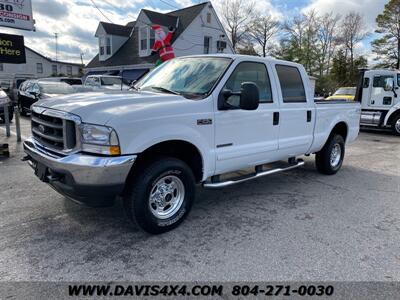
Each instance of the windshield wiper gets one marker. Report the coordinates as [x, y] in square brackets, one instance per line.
[165, 90]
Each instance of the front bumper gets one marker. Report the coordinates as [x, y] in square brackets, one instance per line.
[89, 179]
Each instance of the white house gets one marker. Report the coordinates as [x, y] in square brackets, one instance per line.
[39, 66]
[125, 50]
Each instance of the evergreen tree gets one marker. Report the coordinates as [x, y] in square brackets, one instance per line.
[387, 47]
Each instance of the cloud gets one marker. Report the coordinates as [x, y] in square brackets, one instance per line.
[52, 9]
[369, 9]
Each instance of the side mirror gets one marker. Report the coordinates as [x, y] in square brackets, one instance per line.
[249, 97]
[389, 85]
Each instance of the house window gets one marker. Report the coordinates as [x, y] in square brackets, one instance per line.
[1, 67]
[143, 38]
[101, 45]
[208, 18]
[207, 44]
[108, 46]
[69, 70]
[152, 38]
[39, 68]
[54, 69]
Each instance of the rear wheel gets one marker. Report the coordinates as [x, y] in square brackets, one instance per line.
[396, 125]
[160, 198]
[330, 159]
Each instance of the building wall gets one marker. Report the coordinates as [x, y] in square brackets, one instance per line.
[30, 68]
[191, 41]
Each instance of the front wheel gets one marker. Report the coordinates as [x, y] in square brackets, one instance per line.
[330, 159]
[161, 196]
[396, 125]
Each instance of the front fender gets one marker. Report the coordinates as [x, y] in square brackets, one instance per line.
[202, 139]
[391, 111]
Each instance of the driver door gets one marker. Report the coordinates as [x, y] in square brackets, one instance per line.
[246, 138]
[381, 98]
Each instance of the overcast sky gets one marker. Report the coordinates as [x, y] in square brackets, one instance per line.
[76, 21]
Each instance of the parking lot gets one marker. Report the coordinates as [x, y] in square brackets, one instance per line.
[298, 225]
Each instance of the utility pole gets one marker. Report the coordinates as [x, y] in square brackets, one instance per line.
[56, 37]
[82, 58]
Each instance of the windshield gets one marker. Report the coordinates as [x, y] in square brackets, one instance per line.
[110, 80]
[56, 88]
[346, 91]
[186, 76]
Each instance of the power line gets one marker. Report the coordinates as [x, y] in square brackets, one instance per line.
[101, 11]
[165, 2]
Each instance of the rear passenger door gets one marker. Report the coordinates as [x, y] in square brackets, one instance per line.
[246, 138]
[297, 115]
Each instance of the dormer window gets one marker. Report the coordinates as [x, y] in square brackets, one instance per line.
[146, 40]
[108, 46]
[143, 38]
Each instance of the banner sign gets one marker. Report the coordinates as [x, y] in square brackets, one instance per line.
[12, 49]
[16, 14]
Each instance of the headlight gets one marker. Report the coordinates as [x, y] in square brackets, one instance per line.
[99, 139]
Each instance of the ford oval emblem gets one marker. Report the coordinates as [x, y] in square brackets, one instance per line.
[41, 128]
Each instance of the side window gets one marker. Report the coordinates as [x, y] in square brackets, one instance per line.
[379, 83]
[89, 81]
[366, 82]
[250, 72]
[291, 84]
[96, 81]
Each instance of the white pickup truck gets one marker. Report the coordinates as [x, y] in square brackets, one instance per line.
[193, 120]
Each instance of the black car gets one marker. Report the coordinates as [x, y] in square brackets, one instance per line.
[31, 91]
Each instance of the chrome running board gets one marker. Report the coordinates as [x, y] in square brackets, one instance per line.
[221, 184]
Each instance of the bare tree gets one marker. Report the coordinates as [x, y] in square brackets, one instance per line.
[236, 15]
[262, 29]
[353, 32]
[327, 36]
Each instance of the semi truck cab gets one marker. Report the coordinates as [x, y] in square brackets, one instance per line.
[380, 99]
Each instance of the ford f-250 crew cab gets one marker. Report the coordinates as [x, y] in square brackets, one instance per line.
[191, 120]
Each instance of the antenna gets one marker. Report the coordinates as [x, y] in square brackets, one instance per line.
[56, 38]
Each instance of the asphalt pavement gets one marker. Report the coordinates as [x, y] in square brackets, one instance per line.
[297, 225]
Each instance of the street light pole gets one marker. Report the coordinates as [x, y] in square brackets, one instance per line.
[56, 37]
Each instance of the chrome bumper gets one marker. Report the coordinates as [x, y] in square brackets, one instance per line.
[81, 176]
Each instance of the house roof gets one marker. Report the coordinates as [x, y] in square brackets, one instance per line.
[115, 29]
[50, 59]
[160, 19]
[128, 54]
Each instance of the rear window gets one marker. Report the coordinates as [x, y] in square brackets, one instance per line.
[291, 84]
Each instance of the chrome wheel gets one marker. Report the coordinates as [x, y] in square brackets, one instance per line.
[166, 197]
[336, 155]
[397, 126]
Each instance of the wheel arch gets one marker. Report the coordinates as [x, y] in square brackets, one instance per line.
[180, 149]
[391, 116]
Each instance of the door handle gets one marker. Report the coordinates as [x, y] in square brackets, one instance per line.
[309, 114]
[276, 118]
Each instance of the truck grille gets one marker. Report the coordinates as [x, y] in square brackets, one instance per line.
[53, 132]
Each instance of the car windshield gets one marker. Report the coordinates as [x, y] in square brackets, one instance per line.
[190, 77]
[110, 80]
[345, 91]
[56, 88]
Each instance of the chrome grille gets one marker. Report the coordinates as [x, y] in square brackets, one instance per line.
[53, 132]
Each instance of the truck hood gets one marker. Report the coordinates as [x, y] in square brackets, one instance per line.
[100, 107]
